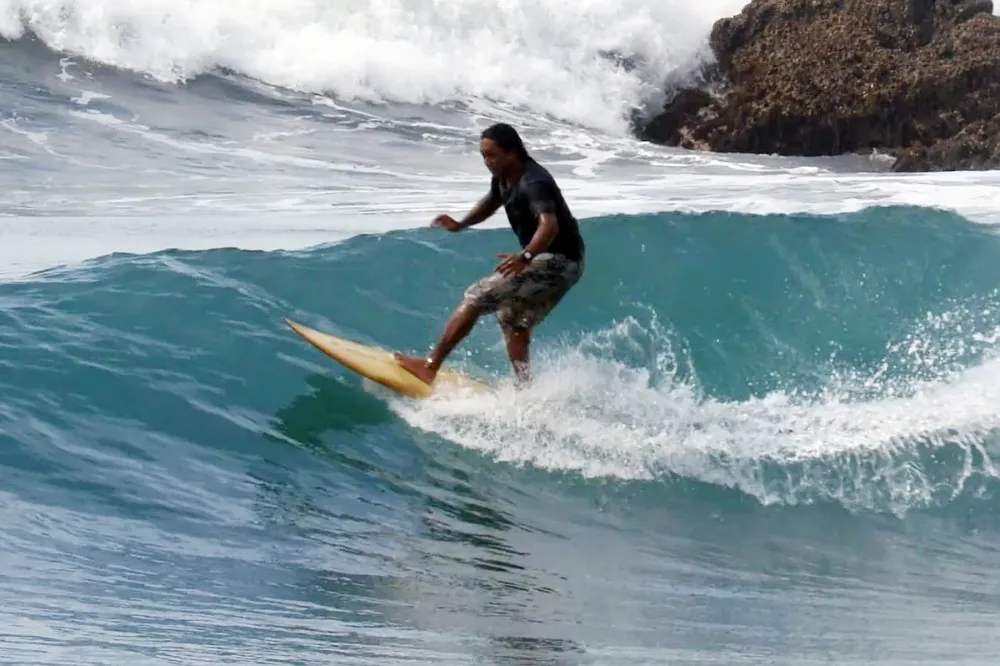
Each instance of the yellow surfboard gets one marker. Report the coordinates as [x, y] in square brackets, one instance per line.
[380, 366]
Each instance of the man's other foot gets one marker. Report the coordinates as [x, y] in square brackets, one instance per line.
[420, 367]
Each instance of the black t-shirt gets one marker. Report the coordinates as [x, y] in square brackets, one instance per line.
[534, 194]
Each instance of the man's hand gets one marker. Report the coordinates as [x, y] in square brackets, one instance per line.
[446, 221]
[512, 264]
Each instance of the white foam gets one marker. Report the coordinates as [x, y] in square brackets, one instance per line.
[313, 201]
[596, 416]
[542, 54]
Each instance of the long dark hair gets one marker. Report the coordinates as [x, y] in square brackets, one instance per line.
[508, 139]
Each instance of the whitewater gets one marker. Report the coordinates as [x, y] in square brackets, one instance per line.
[762, 428]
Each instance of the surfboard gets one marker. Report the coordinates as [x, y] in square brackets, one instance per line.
[380, 366]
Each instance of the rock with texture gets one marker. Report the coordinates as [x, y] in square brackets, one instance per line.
[919, 79]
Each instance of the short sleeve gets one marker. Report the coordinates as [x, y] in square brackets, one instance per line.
[540, 196]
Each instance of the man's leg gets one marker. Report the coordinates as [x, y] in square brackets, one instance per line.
[539, 292]
[518, 349]
[459, 325]
[483, 297]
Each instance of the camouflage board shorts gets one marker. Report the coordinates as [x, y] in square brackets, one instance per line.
[522, 301]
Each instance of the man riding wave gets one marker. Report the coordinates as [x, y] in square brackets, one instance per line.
[527, 285]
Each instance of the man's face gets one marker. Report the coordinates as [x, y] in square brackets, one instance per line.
[496, 160]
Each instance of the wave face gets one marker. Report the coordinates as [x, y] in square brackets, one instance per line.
[791, 358]
[741, 426]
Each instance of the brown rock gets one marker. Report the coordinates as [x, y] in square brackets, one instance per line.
[974, 147]
[918, 78]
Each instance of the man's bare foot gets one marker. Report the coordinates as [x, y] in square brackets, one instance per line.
[418, 366]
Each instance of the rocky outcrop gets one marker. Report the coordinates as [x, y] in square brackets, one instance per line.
[975, 147]
[919, 79]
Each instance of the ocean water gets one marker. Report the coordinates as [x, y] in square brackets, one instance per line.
[762, 428]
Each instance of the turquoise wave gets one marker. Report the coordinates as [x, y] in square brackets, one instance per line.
[780, 359]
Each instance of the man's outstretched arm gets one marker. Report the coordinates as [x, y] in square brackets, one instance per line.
[482, 211]
[479, 213]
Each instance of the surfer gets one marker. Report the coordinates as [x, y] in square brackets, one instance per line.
[527, 285]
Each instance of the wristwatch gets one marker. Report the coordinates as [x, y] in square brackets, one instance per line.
[527, 255]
